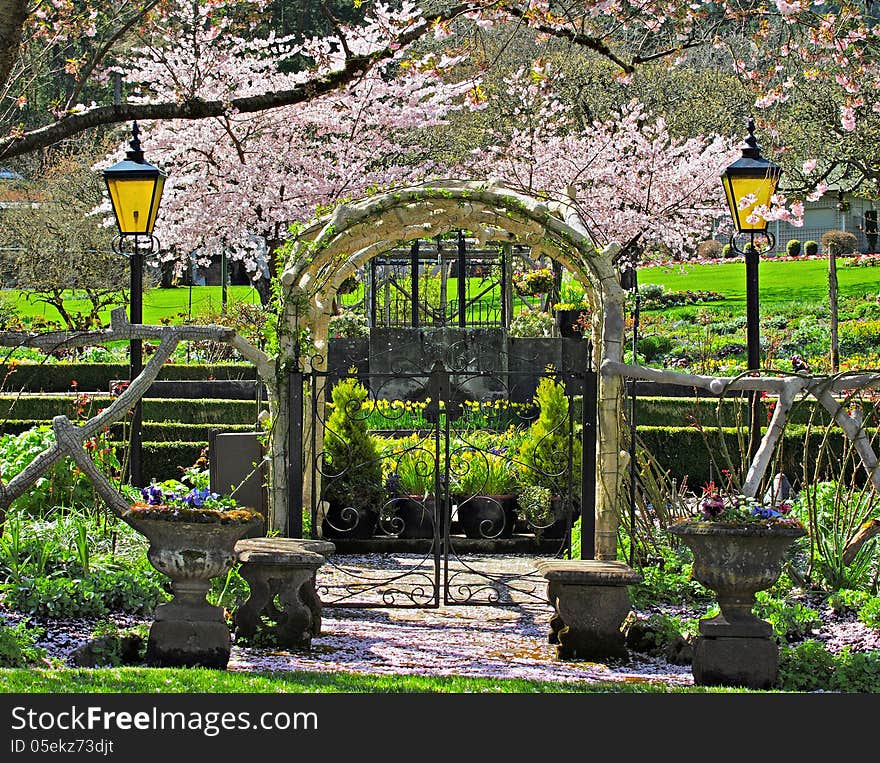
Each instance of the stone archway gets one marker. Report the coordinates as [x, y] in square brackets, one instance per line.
[329, 250]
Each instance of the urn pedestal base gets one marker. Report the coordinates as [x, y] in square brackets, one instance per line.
[752, 663]
[188, 633]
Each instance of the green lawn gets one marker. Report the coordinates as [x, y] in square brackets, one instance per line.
[158, 303]
[780, 283]
[165, 680]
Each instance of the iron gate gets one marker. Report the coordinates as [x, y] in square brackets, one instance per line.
[431, 470]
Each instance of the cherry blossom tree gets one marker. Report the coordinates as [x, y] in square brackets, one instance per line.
[776, 46]
[628, 176]
[238, 181]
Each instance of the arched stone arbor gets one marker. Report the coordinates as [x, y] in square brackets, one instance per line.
[329, 250]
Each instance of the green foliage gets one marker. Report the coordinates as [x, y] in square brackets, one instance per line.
[63, 484]
[793, 248]
[833, 514]
[531, 323]
[544, 453]
[348, 325]
[809, 666]
[110, 650]
[87, 595]
[351, 461]
[869, 613]
[811, 248]
[669, 582]
[654, 346]
[839, 242]
[18, 645]
[847, 600]
[727, 252]
[791, 621]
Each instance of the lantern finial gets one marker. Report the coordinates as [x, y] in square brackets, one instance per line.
[135, 154]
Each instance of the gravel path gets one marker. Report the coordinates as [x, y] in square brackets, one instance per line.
[479, 641]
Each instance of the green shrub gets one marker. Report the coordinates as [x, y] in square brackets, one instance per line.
[811, 248]
[839, 242]
[544, 452]
[709, 250]
[727, 252]
[58, 377]
[847, 600]
[793, 248]
[654, 346]
[93, 595]
[352, 467]
[790, 621]
[808, 666]
[869, 613]
[670, 583]
[18, 647]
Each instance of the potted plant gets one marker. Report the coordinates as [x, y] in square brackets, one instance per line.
[550, 458]
[483, 482]
[192, 534]
[533, 282]
[572, 319]
[351, 466]
[412, 511]
[738, 545]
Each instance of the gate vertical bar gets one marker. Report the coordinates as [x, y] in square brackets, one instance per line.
[373, 296]
[294, 527]
[589, 435]
[414, 282]
[462, 280]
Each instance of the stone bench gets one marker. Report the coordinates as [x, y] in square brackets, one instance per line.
[282, 568]
[590, 603]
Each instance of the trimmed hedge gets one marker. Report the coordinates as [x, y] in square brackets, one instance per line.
[180, 410]
[155, 431]
[163, 460]
[728, 412]
[685, 451]
[96, 377]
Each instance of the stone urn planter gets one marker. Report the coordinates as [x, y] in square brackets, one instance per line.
[736, 560]
[188, 631]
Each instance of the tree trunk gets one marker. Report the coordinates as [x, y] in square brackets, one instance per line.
[12, 16]
[832, 306]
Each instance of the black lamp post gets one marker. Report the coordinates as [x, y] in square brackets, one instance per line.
[749, 183]
[135, 188]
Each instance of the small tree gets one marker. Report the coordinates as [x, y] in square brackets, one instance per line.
[352, 464]
[61, 252]
[545, 451]
[835, 242]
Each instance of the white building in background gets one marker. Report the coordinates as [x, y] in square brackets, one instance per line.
[834, 211]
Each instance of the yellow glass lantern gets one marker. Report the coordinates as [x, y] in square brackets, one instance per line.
[750, 175]
[135, 188]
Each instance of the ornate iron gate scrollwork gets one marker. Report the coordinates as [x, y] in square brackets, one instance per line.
[454, 476]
